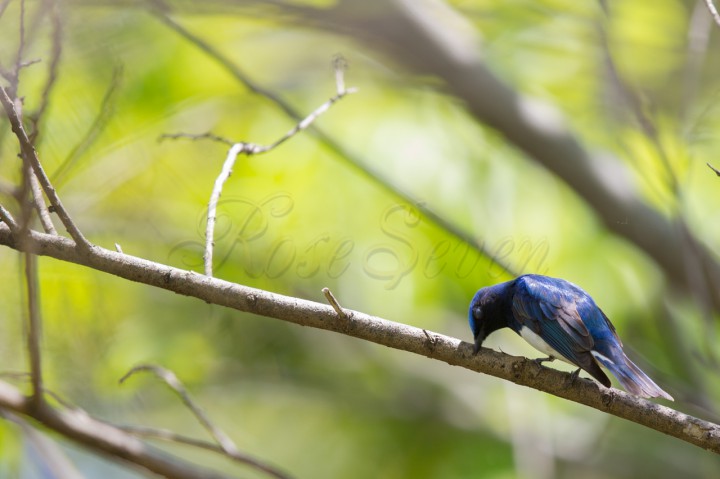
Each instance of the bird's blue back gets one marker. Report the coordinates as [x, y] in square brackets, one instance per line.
[556, 313]
[554, 300]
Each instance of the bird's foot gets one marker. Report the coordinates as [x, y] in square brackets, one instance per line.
[539, 361]
[573, 376]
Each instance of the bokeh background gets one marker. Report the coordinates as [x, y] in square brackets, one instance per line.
[638, 81]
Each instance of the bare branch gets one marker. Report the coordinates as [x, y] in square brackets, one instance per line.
[340, 65]
[306, 122]
[7, 218]
[28, 63]
[253, 149]
[225, 173]
[78, 426]
[381, 331]
[713, 11]
[225, 445]
[717, 172]
[53, 67]
[161, 12]
[429, 48]
[171, 436]
[30, 155]
[39, 203]
[15, 75]
[52, 456]
[196, 136]
[95, 129]
[176, 385]
[34, 326]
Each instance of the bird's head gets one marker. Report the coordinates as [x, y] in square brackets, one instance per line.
[488, 312]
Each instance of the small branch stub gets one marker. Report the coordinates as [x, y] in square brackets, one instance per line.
[334, 303]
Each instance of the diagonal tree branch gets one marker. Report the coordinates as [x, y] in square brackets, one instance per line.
[37, 116]
[250, 149]
[713, 11]
[171, 436]
[161, 12]
[8, 219]
[94, 131]
[50, 453]
[78, 426]
[225, 445]
[431, 39]
[39, 203]
[521, 371]
[30, 155]
[174, 383]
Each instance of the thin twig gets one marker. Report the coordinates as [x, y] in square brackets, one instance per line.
[225, 173]
[27, 377]
[717, 172]
[340, 65]
[171, 436]
[174, 383]
[28, 63]
[34, 326]
[307, 121]
[20, 51]
[334, 303]
[96, 128]
[77, 425]
[713, 11]
[7, 218]
[52, 75]
[196, 136]
[30, 155]
[166, 435]
[341, 152]
[39, 203]
[253, 149]
[51, 455]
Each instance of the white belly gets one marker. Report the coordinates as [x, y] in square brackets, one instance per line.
[538, 343]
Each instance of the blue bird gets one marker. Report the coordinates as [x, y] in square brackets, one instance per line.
[561, 320]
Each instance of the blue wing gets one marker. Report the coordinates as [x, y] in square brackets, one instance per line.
[570, 322]
[565, 317]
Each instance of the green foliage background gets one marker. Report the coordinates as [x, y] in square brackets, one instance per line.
[300, 218]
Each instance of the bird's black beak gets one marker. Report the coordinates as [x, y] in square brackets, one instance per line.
[478, 342]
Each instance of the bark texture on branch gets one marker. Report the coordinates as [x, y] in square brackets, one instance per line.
[104, 438]
[381, 331]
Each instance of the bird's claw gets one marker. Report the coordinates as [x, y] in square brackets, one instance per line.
[539, 361]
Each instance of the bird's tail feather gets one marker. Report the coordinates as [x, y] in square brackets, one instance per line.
[631, 377]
